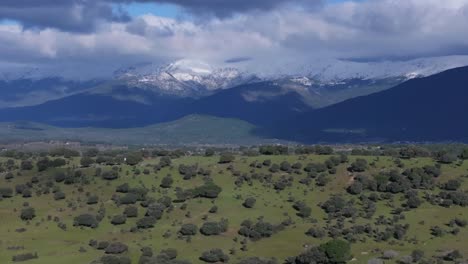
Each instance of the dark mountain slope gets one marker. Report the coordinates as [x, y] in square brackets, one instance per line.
[434, 108]
[124, 107]
[95, 110]
[258, 103]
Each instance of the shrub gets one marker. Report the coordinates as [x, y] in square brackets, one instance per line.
[59, 195]
[93, 199]
[86, 161]
[133, 158]
[188, 230]
[208, 190]
[257, 260]
[165, 161]
[213, 209]
[116, 248]
[355, 188]
[110, 175]
[170, 253]
[119, 220]
[226, 158]
[28, 213]
[26, 165]
[166, 182]
[24, 257]
[129, 198]
[256, 231]
[249, 202]
[359, 165]
[87, 220]
[213, 228]
[111, 259]
[214, 255]
[452, 185]
[285, 166]
[123, 188]
[6, 192]
[146, 222]
[337, 251]
[131, 211]
[209, 152]
[316, 232]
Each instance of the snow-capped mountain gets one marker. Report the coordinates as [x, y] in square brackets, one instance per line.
[183, 77]
[326, 70]
[325, 81]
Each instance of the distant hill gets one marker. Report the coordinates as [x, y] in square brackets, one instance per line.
[433, 108]
[189, 130]
[126, 107]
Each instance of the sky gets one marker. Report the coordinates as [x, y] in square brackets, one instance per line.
[92, 38]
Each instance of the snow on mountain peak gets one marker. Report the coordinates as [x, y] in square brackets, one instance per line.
[190, 67]
[183, 77]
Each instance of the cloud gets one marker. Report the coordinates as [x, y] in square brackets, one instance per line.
[85, 16]
[238, 59]
[263, 38]
[68, 15]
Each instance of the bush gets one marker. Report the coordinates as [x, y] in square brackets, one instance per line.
[188, 230]
[43, 164]
[146, 222]
[110, 175]
[337, 251]
[170, 253]
[208, 190]
[213, 209]
[28, 213]
[316, 232]
[214, 255]
[26, 165]
[87, 220]
[285, 166]
[59, 195]
[209, 152]
[165, 162]
[86, 161]
[355, 188]
[213, 228]
[93, 199]
[119, 220]
[116, 248]
[226, 158]
[359, 165]
[111, 259]
[129, 198]
[452, 185]
[167, 182]
[249, 202]
[24, 257]
[6, 192]
[257, 260]
[131, 211]
[256, 231]
[133, 158]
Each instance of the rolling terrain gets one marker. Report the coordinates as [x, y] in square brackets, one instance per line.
[190, 130]
[47, 205]
[424, 109]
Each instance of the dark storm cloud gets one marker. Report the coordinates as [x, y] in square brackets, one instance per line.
[85, 15]
[238, 59]
[65, 15]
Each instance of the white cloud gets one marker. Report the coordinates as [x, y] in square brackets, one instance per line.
[372, 29]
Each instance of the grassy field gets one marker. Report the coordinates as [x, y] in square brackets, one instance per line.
[54, 245]
[190, 130]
